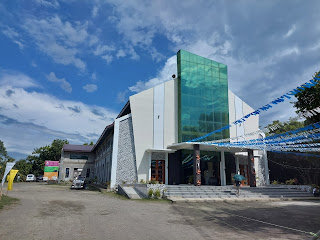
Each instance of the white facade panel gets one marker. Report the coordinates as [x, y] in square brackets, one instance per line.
[158, 116]
[239, 114]
[141, 106]
[238, 109]
[114, 163]
[171, 112]
[252, 123]
[232, 115]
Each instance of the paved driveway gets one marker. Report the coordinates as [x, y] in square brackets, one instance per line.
[253, 220]
[56, 212]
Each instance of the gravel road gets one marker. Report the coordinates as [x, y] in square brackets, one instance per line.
[56, 212]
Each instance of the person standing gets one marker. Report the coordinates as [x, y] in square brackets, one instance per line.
[238, 184]
[316, 192]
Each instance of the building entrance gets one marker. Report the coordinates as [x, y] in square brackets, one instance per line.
[158, 171]
[244, 171]
[210, 172]
[209, 166]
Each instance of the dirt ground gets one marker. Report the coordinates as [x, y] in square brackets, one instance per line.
[56, 212]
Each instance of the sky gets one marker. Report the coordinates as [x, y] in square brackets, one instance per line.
[68, 67]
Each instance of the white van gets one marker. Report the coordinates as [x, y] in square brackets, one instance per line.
[30, 178]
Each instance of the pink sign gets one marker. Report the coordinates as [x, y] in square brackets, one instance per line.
[52, 163]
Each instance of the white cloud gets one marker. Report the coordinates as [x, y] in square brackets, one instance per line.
[133, 54]
[59, 40]
[95, 10]
[164, 75]
[13, 35]
[63, 83]
[51, 3]
[291, 31]
[94, 76]
[101, 49]
[93, 39]
[16, 79]
[121, 53]
[90, 88]
[288, 51]
[155, 55]
[45, 115]
[108, 58]
[121, 96]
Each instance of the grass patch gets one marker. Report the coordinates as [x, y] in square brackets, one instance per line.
[116, 195]
[92, 188]
[152, 200]
[5, 200]
[144, 200]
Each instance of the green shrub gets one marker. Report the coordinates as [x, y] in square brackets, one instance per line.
[275, 182]
[153, 182]
[142, 181]
[157, 194]
[150, 192]
[290, 182]
[190, 179]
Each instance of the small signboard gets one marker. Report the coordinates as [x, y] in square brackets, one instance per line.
[51, 169]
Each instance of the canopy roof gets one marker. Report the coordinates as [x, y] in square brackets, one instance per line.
[205, 147]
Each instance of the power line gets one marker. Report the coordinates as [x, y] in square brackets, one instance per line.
[290, 166]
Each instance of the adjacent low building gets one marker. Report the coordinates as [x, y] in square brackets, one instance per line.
[76, 160]
[150, 138]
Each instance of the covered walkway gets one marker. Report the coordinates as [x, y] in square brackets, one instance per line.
[197, 147]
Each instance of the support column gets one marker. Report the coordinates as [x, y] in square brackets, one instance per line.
[266, 167]
[166, 169]
[149, 160]
[196, 165]
[252, 174]
[223, 170]
[237, 164]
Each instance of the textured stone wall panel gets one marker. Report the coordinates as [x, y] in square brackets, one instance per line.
[158, 156]
[126, 162]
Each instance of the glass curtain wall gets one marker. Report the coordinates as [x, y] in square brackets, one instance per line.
[202, 97]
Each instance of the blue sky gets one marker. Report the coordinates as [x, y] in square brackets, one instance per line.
[68, 67]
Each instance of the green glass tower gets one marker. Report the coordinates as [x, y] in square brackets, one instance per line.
[203, 97]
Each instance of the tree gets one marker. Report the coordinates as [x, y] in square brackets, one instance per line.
[285, 166]
[277, 127]
[51, 152]
[3, 151]
[91, 143]
[4, 158]
[23, 166]
[35, 163]
[309, 99]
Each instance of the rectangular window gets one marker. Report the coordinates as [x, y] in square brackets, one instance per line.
[67, 172]
[88, 173]
[79, 156]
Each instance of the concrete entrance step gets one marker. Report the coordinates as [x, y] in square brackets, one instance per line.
[129, 192]
[229, 192]
[181, 200]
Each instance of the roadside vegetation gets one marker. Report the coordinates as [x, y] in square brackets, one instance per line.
[288, 168]
[6, 200]
[34, 163]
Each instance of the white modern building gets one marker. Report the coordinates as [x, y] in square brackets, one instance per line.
[150, 138]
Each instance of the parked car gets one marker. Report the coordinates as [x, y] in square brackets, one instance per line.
[30, 178]
[79, 183]
[40, 178]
